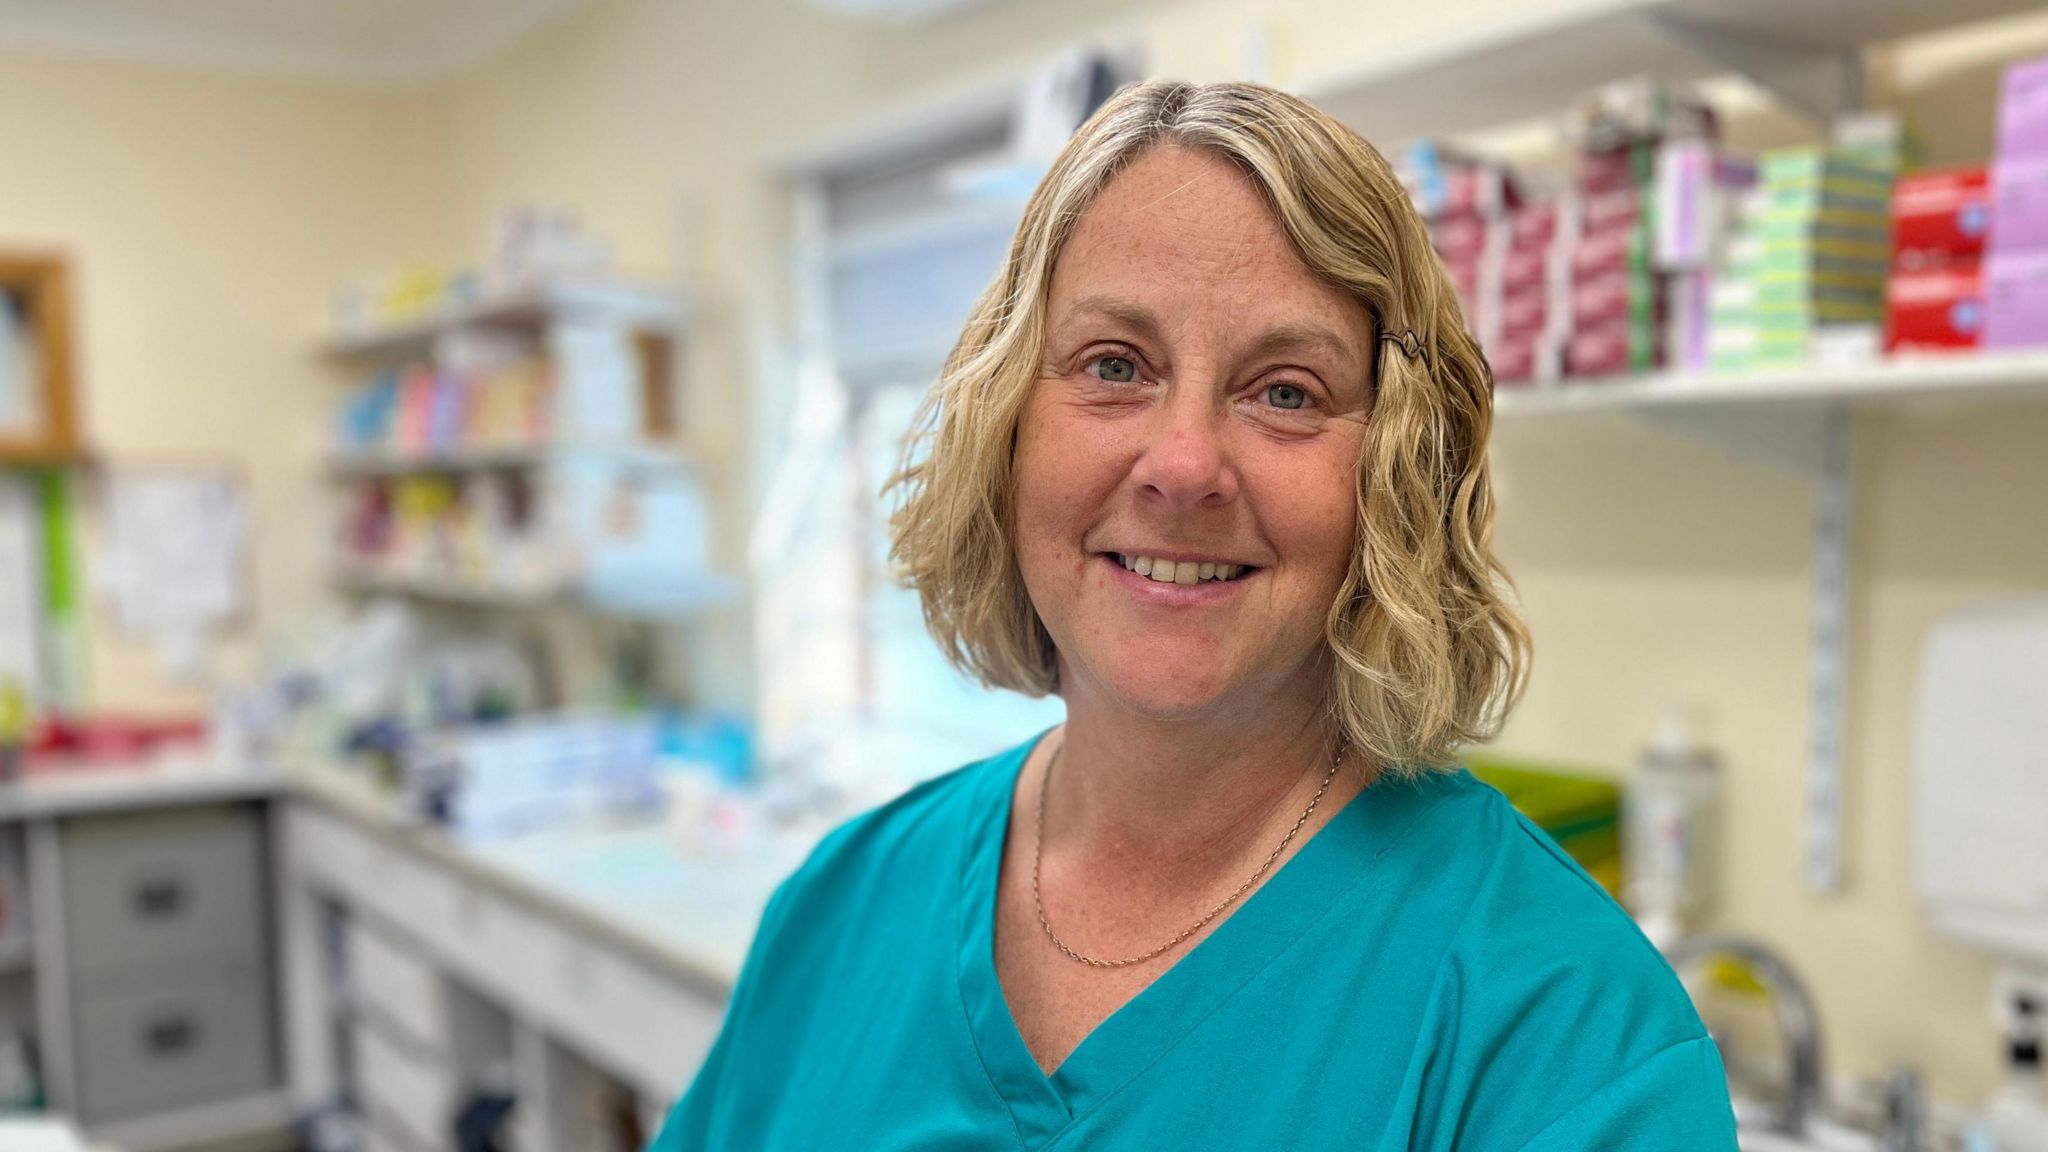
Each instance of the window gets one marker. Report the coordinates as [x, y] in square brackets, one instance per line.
[899, 247]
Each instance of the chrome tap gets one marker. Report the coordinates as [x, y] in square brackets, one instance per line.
[1798, 1019]
[1905, 1112]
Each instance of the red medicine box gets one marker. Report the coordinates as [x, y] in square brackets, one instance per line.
[1938, 216]
[1936, 308]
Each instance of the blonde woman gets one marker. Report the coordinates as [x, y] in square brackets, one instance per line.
[1209, 462]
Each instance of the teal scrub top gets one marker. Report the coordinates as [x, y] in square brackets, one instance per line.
[1428, 971]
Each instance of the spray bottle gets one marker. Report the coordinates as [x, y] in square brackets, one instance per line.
[1672, 829]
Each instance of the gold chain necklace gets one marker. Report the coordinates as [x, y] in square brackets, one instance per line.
[1038, 856]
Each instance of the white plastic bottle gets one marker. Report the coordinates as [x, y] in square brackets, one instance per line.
[1671, 830]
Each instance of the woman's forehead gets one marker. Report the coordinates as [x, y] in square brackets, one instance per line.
[1186, 207]
[1197, 247]
[1182, 235]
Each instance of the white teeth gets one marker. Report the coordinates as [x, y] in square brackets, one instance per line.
[1181, 572]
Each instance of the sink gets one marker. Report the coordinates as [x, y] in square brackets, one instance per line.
[1820, 1137]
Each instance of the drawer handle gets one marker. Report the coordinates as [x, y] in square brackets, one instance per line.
[155, 899]
[170, 1035]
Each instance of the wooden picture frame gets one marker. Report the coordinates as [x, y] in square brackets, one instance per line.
[39, 286]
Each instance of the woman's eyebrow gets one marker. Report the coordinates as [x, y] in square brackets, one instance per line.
[1305, 337]
[1124, 311]
[1280, 338]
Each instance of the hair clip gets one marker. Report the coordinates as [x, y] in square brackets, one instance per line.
[1407, 341]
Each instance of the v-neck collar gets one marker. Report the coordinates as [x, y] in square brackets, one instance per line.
[1276, 914]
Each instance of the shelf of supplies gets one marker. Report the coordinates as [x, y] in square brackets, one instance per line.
[473, 458]
[1539, 63]
[671, 601]
[450, 589]
[525, 307]
[1893, 382]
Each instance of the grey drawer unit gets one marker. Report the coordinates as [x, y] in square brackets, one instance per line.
[174, 1044]
[144, 888]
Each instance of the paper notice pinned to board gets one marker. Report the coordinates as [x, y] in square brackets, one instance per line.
[21, 590]
[173, 557]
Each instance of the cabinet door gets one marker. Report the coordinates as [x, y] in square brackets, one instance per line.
[406, 1094]
[173, 1044]
[142, 889]
[398, 987]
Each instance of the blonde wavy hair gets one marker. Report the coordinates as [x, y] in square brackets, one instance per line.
[1429, 651]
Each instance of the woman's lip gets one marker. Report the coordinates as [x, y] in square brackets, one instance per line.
[1159, 592]
[1177, 557]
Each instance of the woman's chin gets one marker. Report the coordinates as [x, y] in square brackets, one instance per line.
[1162, 695]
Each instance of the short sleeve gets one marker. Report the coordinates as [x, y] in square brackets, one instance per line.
[692, 1121]
[1676, 1101]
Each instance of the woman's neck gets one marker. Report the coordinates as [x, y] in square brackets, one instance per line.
[1179, 799]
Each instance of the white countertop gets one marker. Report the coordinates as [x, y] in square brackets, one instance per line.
[182, 776]
[690, 914]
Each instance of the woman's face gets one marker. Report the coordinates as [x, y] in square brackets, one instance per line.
[1202, 401]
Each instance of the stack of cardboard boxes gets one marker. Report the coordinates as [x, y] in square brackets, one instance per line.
[1935, 299]
[1809, 263]
[1970, 253]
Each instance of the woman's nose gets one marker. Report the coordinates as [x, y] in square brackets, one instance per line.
[1186, 461]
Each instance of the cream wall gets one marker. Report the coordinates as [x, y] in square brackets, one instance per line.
[206, 218]
[1655, 568]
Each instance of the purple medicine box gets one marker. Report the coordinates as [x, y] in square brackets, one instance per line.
[2016, 260]
[2023, 112]
[2019, 205]
[2016, 299]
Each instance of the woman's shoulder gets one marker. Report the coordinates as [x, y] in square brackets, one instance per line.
[1543, 969]
[1532, 903]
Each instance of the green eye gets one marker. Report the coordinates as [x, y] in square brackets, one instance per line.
[1286, 396]
[1117, 369]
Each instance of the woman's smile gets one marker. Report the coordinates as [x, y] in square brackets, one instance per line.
[1182, 584]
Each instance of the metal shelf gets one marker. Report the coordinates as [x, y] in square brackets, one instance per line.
[710, 590]
[1899, 381]
[475, 458]
[526, 307]
[451, 589]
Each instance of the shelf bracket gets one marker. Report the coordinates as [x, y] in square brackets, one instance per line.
[1823, 82]
[1814, 439]
[1827, 690]
[1792, 436]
